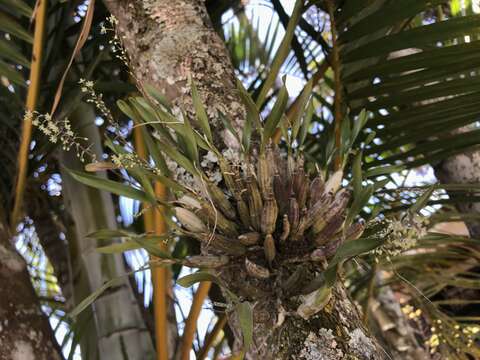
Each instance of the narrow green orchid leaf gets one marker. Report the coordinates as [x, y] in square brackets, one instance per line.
[275, 116]
[360, 200]
[110, 233]
[200, 112]
[253, 113]
[422, 201]
[307, 119]
[158, 96]
[282, 53]
[179, 158]
[94, 296]
[109, 185]
[155, 153]
[245, 317]
[357, 176]
[301, 108]
[189, 280]
[227, 123]
[354, 248]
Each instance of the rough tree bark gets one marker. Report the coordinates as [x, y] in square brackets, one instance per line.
[25, 333]
[169, 40]
[463, 168]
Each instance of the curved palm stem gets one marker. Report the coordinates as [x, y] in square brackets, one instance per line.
[219, 325]
[31, 104]
[154, 223]
[218, 349]
[191, 322]
[160, 283]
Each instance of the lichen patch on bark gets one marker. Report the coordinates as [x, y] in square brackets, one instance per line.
[361, 345]
[22, 351]
[463, 168]
[321, 346]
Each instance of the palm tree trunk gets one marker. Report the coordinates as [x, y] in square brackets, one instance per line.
[337, 332]
[24, 330]
[463, 168]
[168, 41]
[120, 329]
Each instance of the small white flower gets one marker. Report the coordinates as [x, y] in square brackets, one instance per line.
[116, 160]
[53, 127]
[112, 19]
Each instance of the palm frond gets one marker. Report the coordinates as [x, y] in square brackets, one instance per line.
[403, 67]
